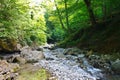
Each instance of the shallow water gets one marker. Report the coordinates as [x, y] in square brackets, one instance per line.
[65, 67]
[113, 77]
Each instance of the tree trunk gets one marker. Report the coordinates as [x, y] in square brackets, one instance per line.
[59, 15]
[104, 10]
[90, 11]
[66, 13]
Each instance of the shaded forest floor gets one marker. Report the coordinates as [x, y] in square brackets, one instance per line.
[103, 38]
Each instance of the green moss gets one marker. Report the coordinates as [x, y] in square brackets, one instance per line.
[41, 74]
[8, 44]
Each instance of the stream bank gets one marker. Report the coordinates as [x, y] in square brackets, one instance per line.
[62, 64]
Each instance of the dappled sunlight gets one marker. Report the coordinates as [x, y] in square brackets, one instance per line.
[72, 39]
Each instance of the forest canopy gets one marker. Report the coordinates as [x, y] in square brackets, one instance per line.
[42, 21]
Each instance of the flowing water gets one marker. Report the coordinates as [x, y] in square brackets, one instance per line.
[66, 67]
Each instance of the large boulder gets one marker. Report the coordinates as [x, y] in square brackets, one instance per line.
[116, 66]
[32, 56]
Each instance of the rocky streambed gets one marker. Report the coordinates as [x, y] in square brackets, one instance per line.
[67, 67]
[76, 64]
[65, 64]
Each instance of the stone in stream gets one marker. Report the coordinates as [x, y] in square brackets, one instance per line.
[116, 66]
[72, 51]
[40, 48]
[103, 62]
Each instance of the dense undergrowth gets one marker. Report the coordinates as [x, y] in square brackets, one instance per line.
[103, 37]
[87, 24]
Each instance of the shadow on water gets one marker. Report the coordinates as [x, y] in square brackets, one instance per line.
[112, 77]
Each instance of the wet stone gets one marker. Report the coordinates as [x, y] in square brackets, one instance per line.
[64, 68]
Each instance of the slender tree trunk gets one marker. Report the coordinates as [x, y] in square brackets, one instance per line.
[104, 10]
[90, 11]
[67, 17]
[59, 15]
[66, 13]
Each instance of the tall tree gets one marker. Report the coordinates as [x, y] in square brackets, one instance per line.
[66, 15]
[90, 11]
[59, 15]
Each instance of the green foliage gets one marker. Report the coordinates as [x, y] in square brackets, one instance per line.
[51, 20]
[58, 34]
[32, 37]
[16, 22]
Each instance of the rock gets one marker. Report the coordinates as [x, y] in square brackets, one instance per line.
[89, 53]
[25, 48]
[49, 58]
[15, 58]
[8, 45]
[32, 56]
[14, 67]
[1, 77]
[116, 66]
[4, 63]
[72, 51]
[7, 71]
[52, 78]
[19, 59]
[40, 48]
[101, 62]
[48, 46]
[18, 46]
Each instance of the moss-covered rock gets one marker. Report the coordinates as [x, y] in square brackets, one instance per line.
[8, 45]
[116, 66]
